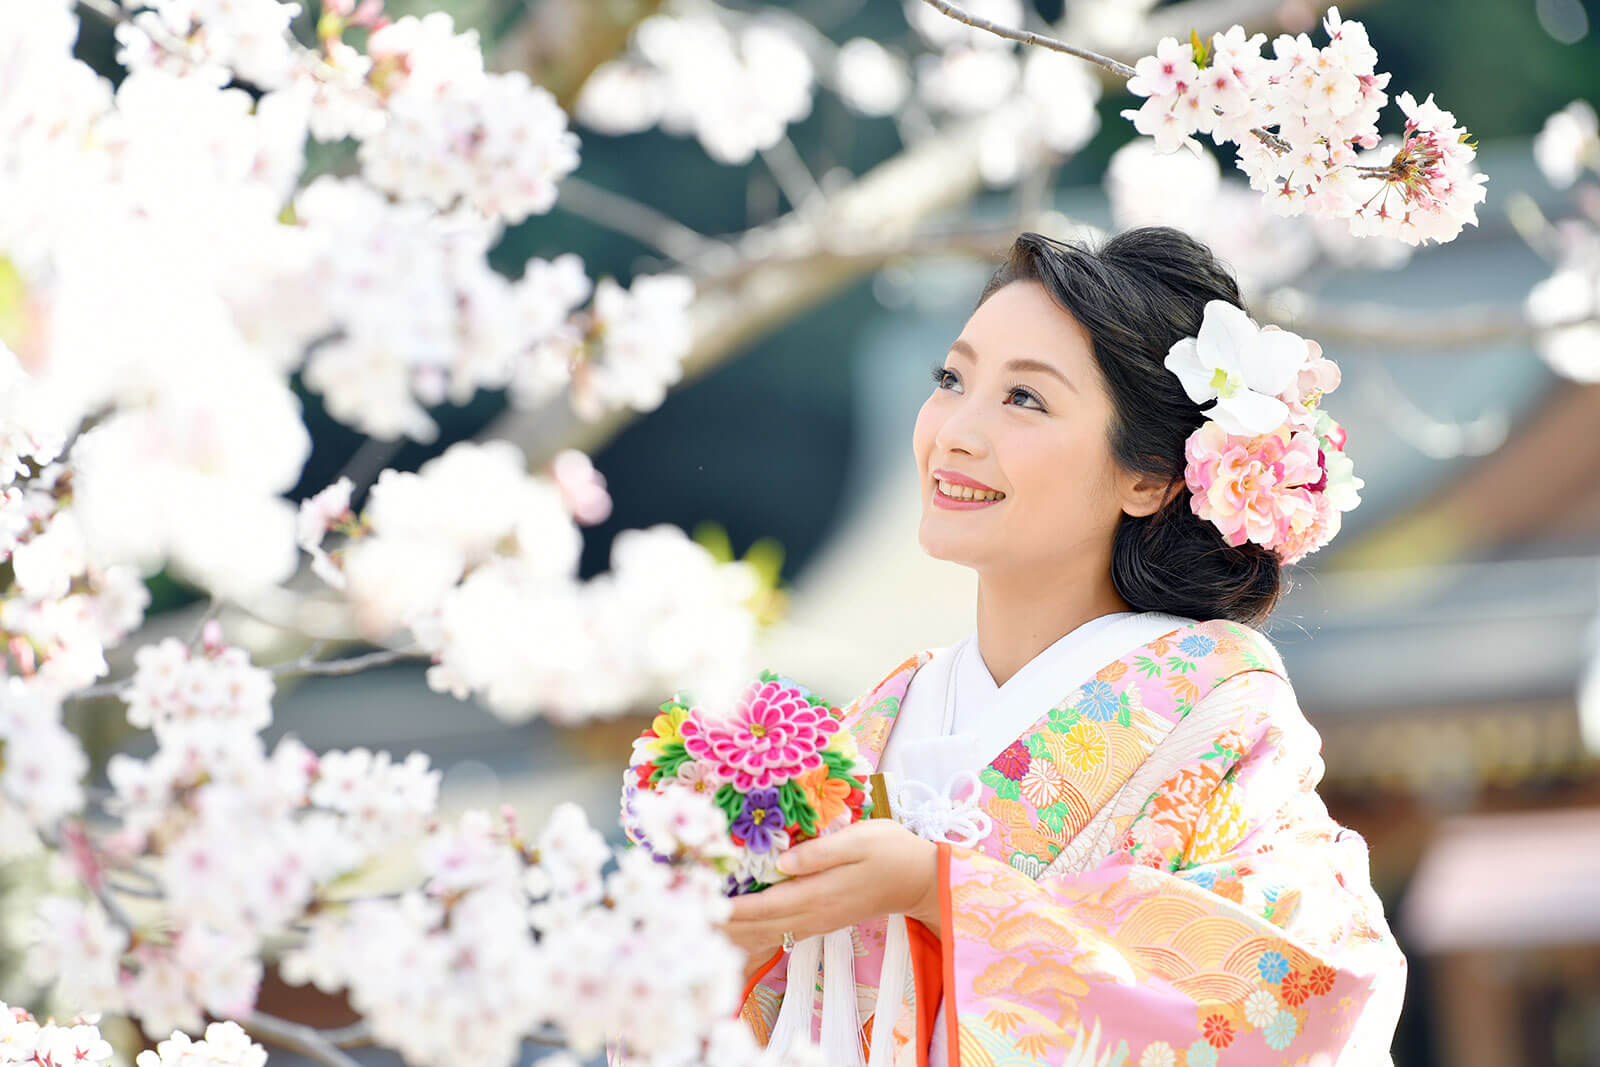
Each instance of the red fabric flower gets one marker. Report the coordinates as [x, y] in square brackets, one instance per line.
[1295, 990]
[1321, 979]
[1014, 761]
[1218, 1031]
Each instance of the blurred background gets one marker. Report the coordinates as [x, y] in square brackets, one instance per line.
[1445, 646]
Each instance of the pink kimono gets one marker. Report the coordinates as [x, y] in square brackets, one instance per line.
[1161, 886]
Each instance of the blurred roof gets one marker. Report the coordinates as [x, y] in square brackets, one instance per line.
[1542, 891]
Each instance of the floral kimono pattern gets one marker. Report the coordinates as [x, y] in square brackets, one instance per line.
[1162, 887]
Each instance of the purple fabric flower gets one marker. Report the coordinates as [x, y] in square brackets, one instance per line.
[760, 817]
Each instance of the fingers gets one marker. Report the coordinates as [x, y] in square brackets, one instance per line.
[821, 853]
[782, 901]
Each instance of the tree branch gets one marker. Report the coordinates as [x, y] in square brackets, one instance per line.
[799, 260]
[1386, 324]
[311, 1043]
[792, 174]
[562, 42]
[307, 663]
[628, 216]
[1117, 67]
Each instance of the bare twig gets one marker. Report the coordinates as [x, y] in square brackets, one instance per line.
[309, 1042]
[792, 174]
[1117, 67]
[104, 689]
[1029, 37]
[628, 216]
[1449, 330]
[367, 462]
[307, 662]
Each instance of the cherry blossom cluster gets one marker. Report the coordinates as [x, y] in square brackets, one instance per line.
[737, 87]
[1266, 250]
[735, 90]
[219, 849]
[1033, 104]
[1566, 305]
[171, 274]
[25, 1040]
[195, 191]
[1306, 125]
[1268, 466]
[478, 559]
[62, 608]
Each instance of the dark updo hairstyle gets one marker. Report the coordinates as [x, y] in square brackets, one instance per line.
[1136, 295]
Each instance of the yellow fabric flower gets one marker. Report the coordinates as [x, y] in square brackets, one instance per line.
[666, 727]
[1220, 826]
[1083, 747]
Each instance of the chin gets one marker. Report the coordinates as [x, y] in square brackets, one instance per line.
[938, 545]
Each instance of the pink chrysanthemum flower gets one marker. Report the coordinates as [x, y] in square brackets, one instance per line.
[773, 735]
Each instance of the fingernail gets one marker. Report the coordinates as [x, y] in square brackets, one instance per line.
[785, 863]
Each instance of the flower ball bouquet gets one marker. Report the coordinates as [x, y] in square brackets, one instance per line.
[779, 768]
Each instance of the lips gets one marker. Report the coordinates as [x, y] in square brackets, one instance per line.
[957, 478]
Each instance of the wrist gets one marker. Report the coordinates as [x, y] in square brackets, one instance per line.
[925, 905]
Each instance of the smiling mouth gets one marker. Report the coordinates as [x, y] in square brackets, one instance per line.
[966, 492]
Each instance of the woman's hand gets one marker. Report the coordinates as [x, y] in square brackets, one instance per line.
[870, 868]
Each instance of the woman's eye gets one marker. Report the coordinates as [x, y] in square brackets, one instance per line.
[942, 376]
[1027, 395]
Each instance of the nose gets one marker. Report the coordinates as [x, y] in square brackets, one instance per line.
[961, 431]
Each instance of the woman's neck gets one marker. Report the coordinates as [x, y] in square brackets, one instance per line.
[1021, 615]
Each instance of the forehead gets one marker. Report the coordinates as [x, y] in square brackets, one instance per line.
[1021, 320]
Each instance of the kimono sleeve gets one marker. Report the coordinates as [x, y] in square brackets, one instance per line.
[1234, 922]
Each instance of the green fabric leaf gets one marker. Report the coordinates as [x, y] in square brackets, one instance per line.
[1147, 666]
[673, 755]
[1124, 710]
[797, 810]
[1054, 816]
[731, 801]
[1062, 721]
[1037, 747]
[1179, 664]
[991, 777]
[839, 767]
[1006, 789]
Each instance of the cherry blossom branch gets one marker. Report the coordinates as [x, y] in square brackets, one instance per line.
[296, 1037]
[792, 174]
[1374, 323]
[625, 215]
[307, 663]
[1116, 67]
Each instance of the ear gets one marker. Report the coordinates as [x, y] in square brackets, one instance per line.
[1145, 494]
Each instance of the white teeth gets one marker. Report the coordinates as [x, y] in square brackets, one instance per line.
[966, 492]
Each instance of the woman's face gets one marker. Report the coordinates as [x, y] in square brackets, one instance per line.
[1021, 411]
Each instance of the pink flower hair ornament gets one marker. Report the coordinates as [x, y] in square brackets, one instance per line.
[1268, 466]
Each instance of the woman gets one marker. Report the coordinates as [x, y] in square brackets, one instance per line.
[1107, 847]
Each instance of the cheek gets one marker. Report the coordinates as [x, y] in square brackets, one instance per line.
[923, 433]
[1059, 476]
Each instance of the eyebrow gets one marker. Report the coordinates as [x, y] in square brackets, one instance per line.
[965, 349]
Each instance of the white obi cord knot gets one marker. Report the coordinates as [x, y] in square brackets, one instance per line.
[952, 816]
